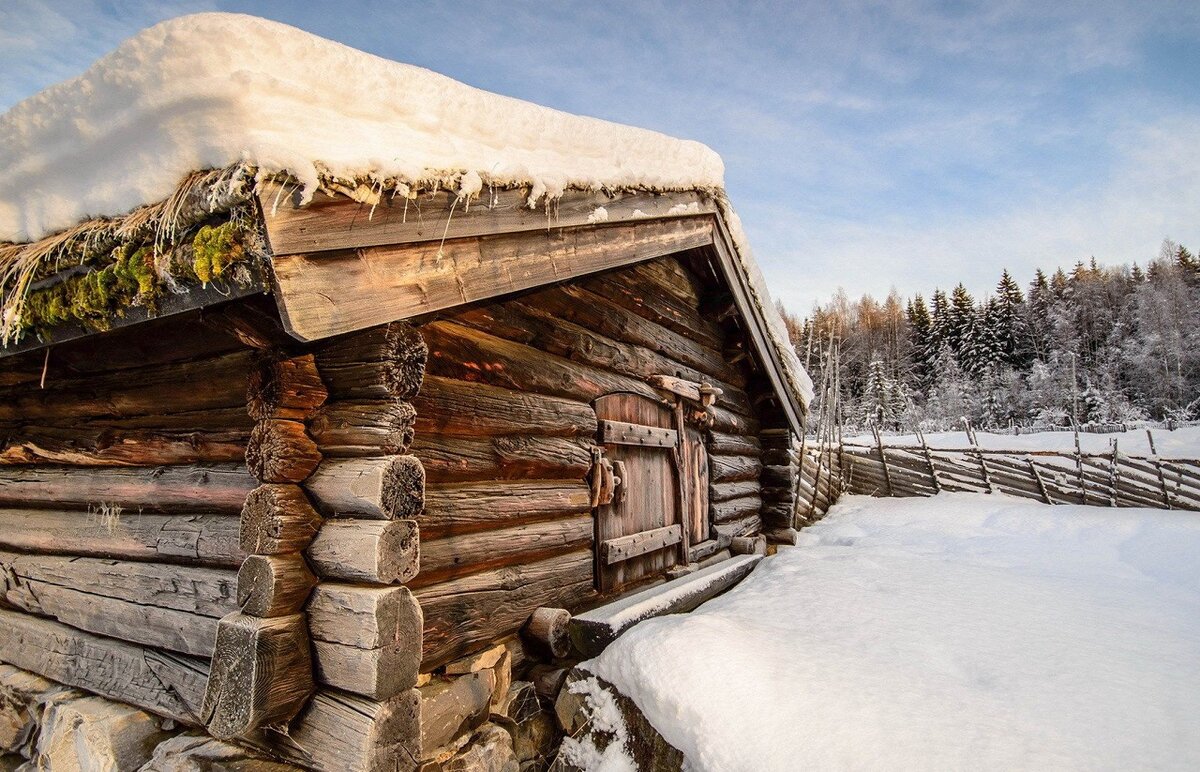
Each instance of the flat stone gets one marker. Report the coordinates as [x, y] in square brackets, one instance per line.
[484, 660]
[490, 750]
[89, 734]
[201, 753]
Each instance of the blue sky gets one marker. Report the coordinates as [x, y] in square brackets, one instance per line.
[867, 144]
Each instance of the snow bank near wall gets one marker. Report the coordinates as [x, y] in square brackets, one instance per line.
[955, 632]
[208, 90]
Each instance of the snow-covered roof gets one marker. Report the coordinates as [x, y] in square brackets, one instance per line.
[215, 90]
[207, 90]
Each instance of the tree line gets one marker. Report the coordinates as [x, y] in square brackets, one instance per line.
[1095, 344]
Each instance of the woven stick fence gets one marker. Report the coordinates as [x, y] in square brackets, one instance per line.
[1054, 477]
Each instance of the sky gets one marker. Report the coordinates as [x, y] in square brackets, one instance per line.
[867, 145]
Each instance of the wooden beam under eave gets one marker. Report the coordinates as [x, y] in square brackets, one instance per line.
[337, 222]
[330, 293]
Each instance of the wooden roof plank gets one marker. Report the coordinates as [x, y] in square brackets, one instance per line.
[330, 293]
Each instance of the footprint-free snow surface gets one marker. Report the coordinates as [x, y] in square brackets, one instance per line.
[958, 632]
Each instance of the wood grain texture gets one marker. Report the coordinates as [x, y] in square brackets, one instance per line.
[274, 585]
[379, 551]
[202, 539]
[261, 674]
[472, 506]
[280, 451]
[212, 487]
[385, 487]
[162, 683]
[364, 428]
[467, 612]
[447, 458]
[277, 519]
[382, 362]
[289, 388]
[339, 222]
[341, 732]
[458, 555]
[637, 544]
[469, 408]
[329, 293]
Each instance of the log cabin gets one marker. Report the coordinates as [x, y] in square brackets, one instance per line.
[329, 466]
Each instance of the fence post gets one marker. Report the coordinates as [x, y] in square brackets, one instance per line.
[1113, 476]
[937, 484]
[1162, 478]
[887, 474]
[1037, 476]
[1079, 467]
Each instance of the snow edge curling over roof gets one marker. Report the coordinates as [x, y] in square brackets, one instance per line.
[228, 91]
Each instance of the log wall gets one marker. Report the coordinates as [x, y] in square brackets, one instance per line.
[122, 476]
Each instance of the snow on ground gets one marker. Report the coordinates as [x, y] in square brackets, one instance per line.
[1183, 442]
[209, 90]
[964, 631]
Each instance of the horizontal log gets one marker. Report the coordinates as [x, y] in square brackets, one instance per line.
[325, 294]
[595, 312]
[143, 391]
[285, 388]
[90, 445]
[747, 525]
[447, 458]
[213, 487]
[724, 511]
[329, 222]
[727, 421]
[364, 428]
[277, 519]
[367, 640]
[733, 490]
[463, 507]
[634, 289]
[166, 684]
[733, 468]
[261, 674]
[273, 585]
[169, 607]
[525, 323]
[380, 551]
[777, 516]
[733, 444]
[367, 617]
[384, 487]
[383, 362]
[457, 555]
[280, 451]
[467, 354]
[777, 476]
[465, 613]
[466, 408]
[205, 539]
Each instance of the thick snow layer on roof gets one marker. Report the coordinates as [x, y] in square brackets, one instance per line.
[964, 631]
[211, 89]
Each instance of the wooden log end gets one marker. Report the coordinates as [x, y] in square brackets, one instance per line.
[277, 519]
[261, 674]
[285, 388]
[280, 451]
[547, 631]
[274, 585]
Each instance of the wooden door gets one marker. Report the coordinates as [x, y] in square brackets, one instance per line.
[639, 534]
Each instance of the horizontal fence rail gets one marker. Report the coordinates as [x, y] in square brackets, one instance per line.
[1099, 479]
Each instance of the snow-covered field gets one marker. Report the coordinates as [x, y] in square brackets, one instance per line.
[958, 632]
[1180, 443]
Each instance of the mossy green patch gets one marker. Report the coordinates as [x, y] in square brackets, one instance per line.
[216, 248]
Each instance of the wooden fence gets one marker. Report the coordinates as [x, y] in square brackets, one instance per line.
[820, 481]
[1106, 479]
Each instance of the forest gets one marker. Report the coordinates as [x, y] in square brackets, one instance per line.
[1095, 344]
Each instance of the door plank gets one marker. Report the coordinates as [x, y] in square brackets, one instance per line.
[624, 433]
[628, 547]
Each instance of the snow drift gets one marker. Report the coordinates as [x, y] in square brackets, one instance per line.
[964, 631]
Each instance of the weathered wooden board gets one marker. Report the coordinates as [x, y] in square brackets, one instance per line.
[473, 610]
[205, 539]
[211, 488]
[162, 683]
[457, 555]
[624, 433]
[633, 545]
[339, 222]
[325, 294]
